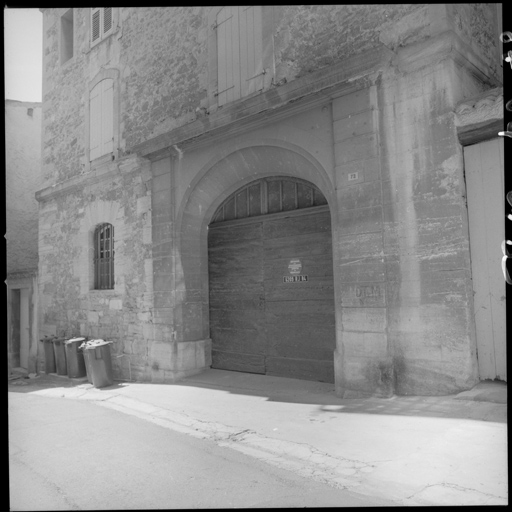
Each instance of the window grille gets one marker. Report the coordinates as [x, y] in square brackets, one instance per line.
[104, 257]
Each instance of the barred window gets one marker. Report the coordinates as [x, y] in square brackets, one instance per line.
[104, 257]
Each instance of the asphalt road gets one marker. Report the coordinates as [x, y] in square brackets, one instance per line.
[75, 455]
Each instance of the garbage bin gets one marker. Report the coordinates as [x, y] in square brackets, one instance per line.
[75, 358]
[88, 370]
[97, 353]
[60, 356]
[49, 355]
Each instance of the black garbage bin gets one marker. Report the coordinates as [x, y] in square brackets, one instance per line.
[75, 358]
[60, 356]
[99, 362]
[49, 355]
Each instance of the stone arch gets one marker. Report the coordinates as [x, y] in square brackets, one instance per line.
[219, 178]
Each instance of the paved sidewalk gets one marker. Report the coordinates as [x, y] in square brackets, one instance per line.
[412, 450]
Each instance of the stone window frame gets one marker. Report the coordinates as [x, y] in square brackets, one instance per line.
[267, 24]
[99, 282]
[96, 213]
[102, 75]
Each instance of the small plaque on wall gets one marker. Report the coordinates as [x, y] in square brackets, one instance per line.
[294, 279]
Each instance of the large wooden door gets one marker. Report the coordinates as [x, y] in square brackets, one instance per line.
[271, 294]
[485, 195]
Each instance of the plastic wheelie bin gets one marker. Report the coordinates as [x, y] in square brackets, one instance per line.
[49, 355]
[99, 362]
[88, 370]
[60, 356]
[75, 358]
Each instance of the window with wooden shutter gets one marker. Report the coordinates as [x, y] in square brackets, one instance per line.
[101, 22]
[101, 119]
[95, 23]
[239, 52]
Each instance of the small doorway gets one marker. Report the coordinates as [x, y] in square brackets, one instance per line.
[20, 334]
[271, 281]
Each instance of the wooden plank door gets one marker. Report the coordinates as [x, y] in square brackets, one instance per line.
[237, 317]
[485, 196]
[261, 321]
[299, 314]
[24, 327]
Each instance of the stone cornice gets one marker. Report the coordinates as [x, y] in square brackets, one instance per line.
[283, 101]
[480, 118]
[312, 90]
[109, 171]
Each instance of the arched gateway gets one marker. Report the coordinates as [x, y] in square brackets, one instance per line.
[270, 281]
[255, 241]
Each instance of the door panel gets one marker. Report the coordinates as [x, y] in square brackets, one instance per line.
[24, 327]
[258, 322]
[236, 295]
[485, 196]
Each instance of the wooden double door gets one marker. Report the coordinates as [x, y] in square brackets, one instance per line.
[271, 295]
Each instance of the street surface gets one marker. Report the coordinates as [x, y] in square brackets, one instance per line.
[76, 455]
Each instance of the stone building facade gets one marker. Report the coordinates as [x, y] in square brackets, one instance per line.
[207, 156]
[22, 180]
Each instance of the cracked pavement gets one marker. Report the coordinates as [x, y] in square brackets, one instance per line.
[412, 450]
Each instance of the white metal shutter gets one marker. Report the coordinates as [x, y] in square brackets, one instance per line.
[101, 119]
[95, 23]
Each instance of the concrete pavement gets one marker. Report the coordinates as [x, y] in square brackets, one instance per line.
[448, 450]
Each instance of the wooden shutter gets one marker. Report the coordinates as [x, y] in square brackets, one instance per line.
[95, 23]
[107, 116]
[101, 119]
[251, 54]
[239, 52]
[107, 19]
[228, 52]
[95, 122]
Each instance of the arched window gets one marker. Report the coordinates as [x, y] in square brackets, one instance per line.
[104, 257]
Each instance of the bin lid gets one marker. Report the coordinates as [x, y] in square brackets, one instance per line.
[90, 344]
[74, 340]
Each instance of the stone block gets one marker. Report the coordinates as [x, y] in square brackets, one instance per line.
[360, 220]
[360, 195]
[364, 320]
[353, 125]
[351, 104]
[362, 147]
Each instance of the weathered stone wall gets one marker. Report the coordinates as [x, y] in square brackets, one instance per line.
[476, 24]
[309, 37]
[22, 179]
[68, 303]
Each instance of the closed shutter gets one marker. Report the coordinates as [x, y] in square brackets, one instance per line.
[251, 54]
[239, 52]
[107, 116]
[228, 55]
[95, 23]
[107, 19]
[101, 119]
[95, 122]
